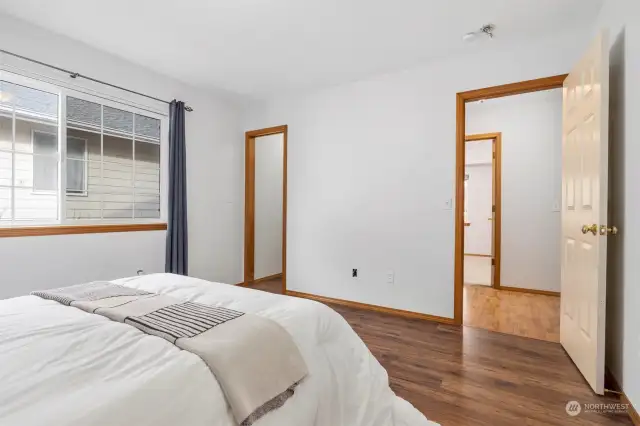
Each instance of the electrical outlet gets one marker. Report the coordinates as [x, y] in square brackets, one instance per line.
[354, 273]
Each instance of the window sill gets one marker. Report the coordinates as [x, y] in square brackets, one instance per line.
[33, 231]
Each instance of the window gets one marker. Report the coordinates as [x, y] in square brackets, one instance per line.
[108, 163]
[122, 162]
[29, 153]
[76, 166]
[45, 161]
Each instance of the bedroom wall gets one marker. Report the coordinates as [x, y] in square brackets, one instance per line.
[371, 173]
[623, 292]
[214, 174]
[531, 126]
[32, 263]
[268, 204]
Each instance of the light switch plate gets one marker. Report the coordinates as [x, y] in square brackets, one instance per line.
[391, 276]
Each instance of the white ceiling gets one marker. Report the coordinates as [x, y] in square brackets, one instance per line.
[258, 47]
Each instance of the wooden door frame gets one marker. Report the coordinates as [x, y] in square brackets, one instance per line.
[462, 98]
[249, 202]
[496, 187]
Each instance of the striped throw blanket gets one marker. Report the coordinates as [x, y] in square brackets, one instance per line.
[186, 319]
[254, 359]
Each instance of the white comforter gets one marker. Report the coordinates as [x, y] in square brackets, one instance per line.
[61, 366]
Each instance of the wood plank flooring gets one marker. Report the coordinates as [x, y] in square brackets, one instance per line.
[468, 376]
[523, 314]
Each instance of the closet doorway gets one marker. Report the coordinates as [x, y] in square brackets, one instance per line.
[265, 225]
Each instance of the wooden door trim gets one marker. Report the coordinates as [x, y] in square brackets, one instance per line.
[462, 98]
[496, 171]
[249, 202]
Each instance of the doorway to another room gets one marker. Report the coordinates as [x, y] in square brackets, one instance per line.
[575, 168]
[482, 209]
[512, 198]
[265, 208]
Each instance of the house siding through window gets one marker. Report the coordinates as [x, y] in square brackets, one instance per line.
[110, 182]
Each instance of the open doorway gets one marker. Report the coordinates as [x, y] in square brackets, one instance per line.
[584, 205]
[265, 229]
[512, 221]
[482, 209]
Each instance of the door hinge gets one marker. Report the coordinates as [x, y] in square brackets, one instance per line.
[493, 262]
[493, 208]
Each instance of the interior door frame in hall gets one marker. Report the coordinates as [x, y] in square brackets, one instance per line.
[496, 190]
[250, 206]
[528, 86]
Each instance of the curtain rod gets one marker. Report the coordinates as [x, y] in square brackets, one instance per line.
[77, 74]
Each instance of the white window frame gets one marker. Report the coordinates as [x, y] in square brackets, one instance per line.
[105, 100]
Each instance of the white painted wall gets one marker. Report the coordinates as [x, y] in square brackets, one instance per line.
[531, 126]
[622, 17]
[478, 152]
[371, 167]
[268, 202]
[31, 263]
[214, 174]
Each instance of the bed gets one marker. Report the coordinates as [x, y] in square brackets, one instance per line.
[60, 365]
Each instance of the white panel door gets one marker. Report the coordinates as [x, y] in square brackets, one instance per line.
[584, 211]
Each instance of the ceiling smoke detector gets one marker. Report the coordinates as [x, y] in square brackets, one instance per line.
[484, 30]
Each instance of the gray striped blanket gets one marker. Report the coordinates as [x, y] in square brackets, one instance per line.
[182, 320]
[254, 359]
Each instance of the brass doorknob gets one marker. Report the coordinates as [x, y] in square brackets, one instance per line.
[593, 229]
[608, 230]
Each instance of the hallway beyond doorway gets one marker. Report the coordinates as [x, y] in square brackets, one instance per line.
[522, 314]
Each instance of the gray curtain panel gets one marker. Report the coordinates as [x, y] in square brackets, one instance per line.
[177, 242]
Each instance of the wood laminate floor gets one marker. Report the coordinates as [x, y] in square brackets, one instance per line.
[523, 314]
[469, 376]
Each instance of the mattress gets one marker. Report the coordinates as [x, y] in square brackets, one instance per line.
[62, 366]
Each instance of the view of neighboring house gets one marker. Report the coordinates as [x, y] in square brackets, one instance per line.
[112, 159]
